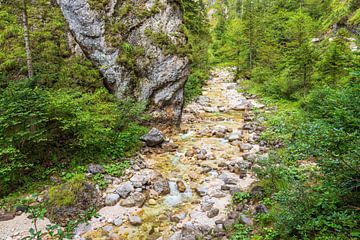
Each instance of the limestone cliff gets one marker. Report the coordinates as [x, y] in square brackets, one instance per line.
[139, 47]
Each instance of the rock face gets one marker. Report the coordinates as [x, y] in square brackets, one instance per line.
[137, 47]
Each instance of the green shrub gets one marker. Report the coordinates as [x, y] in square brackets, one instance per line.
[313, 201]
[41, 130]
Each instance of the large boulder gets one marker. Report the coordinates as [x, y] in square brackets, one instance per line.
[139, 52]
[70, 200]
[153, 138]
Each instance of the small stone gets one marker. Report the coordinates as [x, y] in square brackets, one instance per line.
[118, 221]
[136, 167]
[234, 136]
[135, 199]
[222, 109]
[219, 221]
[95, 168]
[181, 186]
[233, 215]
[246, 220]
[230, 181]
[202, 191]
[213, 213]
[245, 147]
[261, 209]
[152, 202]
[247, 127]
[135, 220]
[107, 228]
[125, 189]
[225, 188]
[207, 204]
[114, 236]
[111, 199]
[178, 217]
[229, 223]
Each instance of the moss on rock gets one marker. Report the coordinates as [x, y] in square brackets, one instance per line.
[71, 199]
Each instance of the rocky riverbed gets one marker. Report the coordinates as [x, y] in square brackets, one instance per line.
[180, 186]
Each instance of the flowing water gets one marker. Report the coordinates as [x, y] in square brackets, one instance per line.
[204, 133]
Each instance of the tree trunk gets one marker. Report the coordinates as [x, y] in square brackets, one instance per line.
[27, 41]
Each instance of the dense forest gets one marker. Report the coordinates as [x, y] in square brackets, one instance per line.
[301, 58]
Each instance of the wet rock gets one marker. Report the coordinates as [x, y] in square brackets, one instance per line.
[222, 109]
[135, 220]
[261, 209]
[190, 232]
[111, 199]
[234, 136]
[135, 199]
[142, 178]
[210, 109]
[153, 138]
[245, 147]
[161, 185]
[125, 189]
[207, 204]
[181, 186]
[219, 221]
[220, 131]
[213, 213]
[95, 168]
[247, 127]
[190, 153]
[202, 191]
[201, 154]
[152, 202]
[107, 228]
[118, 221]
[178, 217]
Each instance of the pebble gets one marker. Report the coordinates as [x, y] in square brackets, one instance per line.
[135, 220]
[213, 213]
[152, 202]
[118, 221]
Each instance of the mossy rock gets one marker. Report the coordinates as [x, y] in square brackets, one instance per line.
[69, 200]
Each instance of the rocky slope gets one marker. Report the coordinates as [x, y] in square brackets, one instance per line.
[138, 47]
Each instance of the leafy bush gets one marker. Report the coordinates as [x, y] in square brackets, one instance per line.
[43, 129]
[315, 176]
